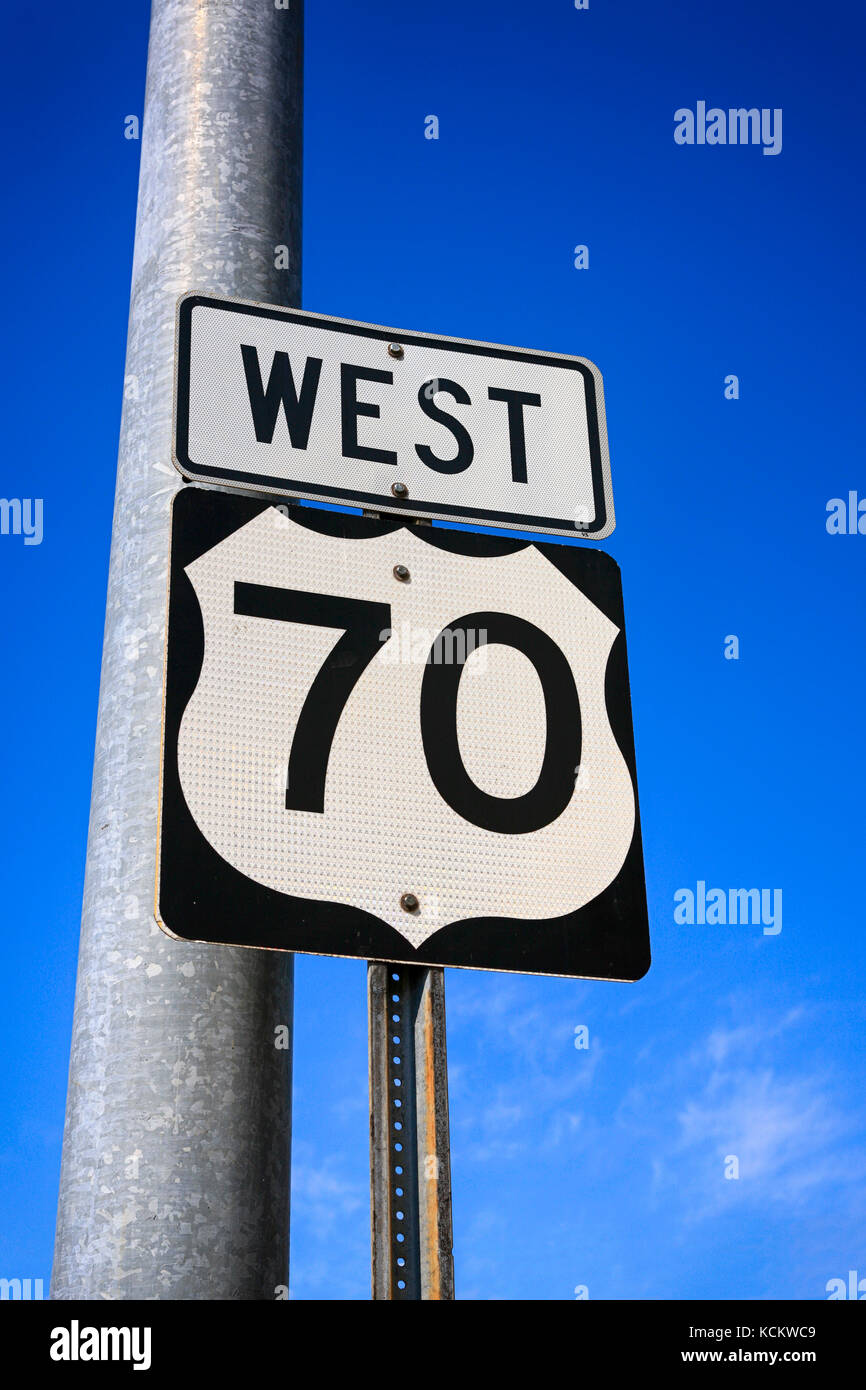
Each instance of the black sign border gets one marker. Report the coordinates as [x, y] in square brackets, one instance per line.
[202, 898]
[373, 501]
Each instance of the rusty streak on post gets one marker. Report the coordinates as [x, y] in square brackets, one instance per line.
[434, 1161]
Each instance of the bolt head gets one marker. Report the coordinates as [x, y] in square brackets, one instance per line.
[399, 489]
[409, 902]
[395, 350]
[401, 573]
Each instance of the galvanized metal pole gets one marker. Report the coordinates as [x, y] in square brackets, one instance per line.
[175, 1176]
[410, 1164]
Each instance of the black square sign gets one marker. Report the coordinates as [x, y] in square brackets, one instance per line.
[394, 741]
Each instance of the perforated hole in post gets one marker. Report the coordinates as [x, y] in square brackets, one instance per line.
[403, 1235]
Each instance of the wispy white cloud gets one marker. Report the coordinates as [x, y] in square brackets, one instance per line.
[328, 1205]
[322, 1194]
[790, 1125]
[542, 1080]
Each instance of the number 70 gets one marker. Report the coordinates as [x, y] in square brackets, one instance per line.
[365, 629]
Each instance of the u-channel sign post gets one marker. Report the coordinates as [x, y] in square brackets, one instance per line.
[386, 740]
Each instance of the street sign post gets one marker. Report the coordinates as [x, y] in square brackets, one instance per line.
[177, 1146]
[410, 1165]
[397, 742]
[407, 744]
[385, 740]
[301, 405]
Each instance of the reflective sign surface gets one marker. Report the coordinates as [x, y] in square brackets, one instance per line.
[394, 741]
[302, 405]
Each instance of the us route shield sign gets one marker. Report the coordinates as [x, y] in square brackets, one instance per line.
[397, 742]
[296, 404]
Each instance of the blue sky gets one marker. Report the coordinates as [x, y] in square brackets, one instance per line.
[601, 1167]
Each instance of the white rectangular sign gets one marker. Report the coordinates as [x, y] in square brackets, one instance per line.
[302, 405]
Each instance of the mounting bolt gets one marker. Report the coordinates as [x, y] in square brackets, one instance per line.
[395, 350]
[401, 573]
[409, 902]
[399, 489]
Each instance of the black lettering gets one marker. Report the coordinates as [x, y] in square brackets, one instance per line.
[465, 449]
[546, 801]
[351, 408]
[366, 627]
[265, 405]
[515, 401]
